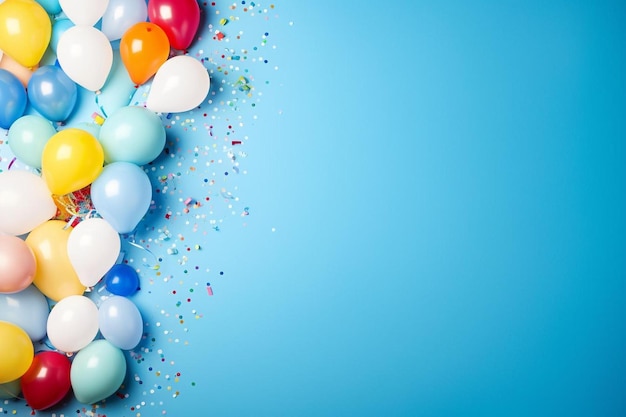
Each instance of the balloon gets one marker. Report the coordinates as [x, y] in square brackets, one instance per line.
[90, 127]
[28, 136]
[73, 323]
[17, 352]
[118, 90]
[122, 195]
[58, 29]
[52, 6]
[52, 93]
[86, 56]
[97, 371]
[55, 276]
[93, 247]
[84, 12]
[17, 264]
[72, 159]
[132, 134]
[27, 309]
[21, 72]
[120, 322]
[181, 84]
[13, 98]
[10, 390]
[144, 48]
[178, 18]
[25, 202]
[121, 279]
[47, 380]
[25, 30]
[122, 14]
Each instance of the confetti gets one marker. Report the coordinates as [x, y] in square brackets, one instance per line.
[196, 191]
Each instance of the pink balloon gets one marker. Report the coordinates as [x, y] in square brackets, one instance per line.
[17, 264]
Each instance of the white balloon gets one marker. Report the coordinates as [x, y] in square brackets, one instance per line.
[180, 84]
[73, 323]
[93, 247]
[25, 202]
[86, 56]
[122, 14]
[84, 12]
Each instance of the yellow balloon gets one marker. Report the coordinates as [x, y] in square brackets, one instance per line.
[71, 159]
[55, 276]
[17, 352]
[25, 31]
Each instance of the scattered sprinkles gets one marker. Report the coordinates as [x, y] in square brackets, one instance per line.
[205, 152]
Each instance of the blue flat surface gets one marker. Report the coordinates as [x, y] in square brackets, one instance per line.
[425, 217]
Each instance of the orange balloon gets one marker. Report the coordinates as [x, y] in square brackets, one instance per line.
[144, 47]
[55, 276]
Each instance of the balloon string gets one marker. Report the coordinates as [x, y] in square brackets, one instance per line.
[130, 238]
[100, 106]
[104, 113]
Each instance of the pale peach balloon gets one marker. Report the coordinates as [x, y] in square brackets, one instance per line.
[22, 73]
[17, 264]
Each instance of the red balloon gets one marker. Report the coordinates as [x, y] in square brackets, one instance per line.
[178, 18]
[47, 381]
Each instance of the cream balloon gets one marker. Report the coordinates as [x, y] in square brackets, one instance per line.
[25, 202]
[180, 84]
[72, 323]
[86, 56]
[93, 247]
[84, 12]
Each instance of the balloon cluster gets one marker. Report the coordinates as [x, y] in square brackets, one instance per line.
[52, 251]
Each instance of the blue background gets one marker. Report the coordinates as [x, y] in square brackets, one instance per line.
[447, 184]
[436, 197]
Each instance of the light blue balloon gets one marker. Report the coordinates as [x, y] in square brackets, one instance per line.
[52, 93]
[27, 309]
[120, 322]
[122, 194]
[97, 371]
[132, 134]
[118, 90]
[59, 27]
[27, 137]
[121, 15]
[13, 98]
[52, 6]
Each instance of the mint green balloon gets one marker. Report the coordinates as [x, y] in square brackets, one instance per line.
[27, 137]
[119, 89]
[132, 134]
[91, 127]
[10, 390]
[97, 371]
